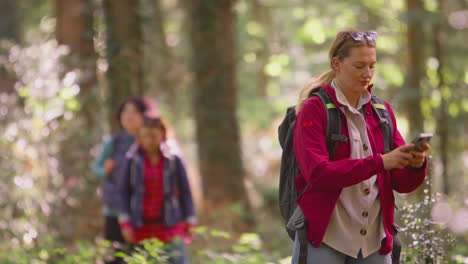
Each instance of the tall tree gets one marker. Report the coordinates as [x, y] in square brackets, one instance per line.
[124, 52]
[166, 68]
[440, 40]
[261, 14]
[10, 31]
[416, 63]
[416, 72]
[75, 30]
[9, 26]
[214, 102]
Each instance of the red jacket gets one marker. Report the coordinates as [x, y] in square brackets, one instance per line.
[328, 177]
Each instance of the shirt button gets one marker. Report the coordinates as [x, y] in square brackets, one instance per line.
[365, 147]
[365, 214]
[366, 191]
[363, 232]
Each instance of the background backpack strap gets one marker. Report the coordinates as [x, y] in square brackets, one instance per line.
[303, 244]
[175, 168]
[289, 169]
[385, 122]
[284, 131]
[333, 134]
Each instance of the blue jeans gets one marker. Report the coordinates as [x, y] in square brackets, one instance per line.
[326, 254]
[175, 250]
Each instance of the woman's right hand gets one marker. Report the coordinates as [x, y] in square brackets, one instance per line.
[128, 235]
[109, 166]
[397, 158]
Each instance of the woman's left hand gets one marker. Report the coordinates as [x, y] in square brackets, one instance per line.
[419, 156]
[188, 233]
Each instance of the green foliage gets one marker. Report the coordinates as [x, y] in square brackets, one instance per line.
[36, 193]
[277, 65]
[391, 73]
[152, 251]
[427, 241]
[312, 32]
[247, 248]
[276, 56]
[255, 29]
[84, 252]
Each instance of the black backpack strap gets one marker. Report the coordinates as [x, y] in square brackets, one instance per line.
[174, 168]
[385, 122]
[286, 127]
[303, 244]
[115, 140]
[333, 134]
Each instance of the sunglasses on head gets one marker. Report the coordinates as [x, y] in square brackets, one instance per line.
[359, 36]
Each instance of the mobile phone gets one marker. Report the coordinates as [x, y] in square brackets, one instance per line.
[420, 139]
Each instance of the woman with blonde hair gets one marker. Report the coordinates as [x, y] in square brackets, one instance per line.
[347, 199]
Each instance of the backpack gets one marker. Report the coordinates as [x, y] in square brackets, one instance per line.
[288, 195]
[121, 142]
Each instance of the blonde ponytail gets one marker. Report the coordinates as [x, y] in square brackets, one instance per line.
[339, 49]
[324, 78]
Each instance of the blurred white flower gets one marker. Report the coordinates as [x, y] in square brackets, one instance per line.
[441, 212]
[459, 222]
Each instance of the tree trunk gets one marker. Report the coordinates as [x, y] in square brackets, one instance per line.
[416, 72]
[261, 15]
[416, 64]
[10, 31]
[440, 40]
[9, 27]
[167, 69]
[124, 53]
[75, 30]
[215, 101]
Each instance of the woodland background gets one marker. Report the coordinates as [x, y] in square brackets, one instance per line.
[223, 73]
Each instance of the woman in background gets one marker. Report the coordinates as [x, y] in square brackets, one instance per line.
[110, 160]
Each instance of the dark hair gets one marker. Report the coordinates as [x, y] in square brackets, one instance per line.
[144, 106]
[140, 104]
[155, 122]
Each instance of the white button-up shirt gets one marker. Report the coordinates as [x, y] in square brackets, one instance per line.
[356, 223]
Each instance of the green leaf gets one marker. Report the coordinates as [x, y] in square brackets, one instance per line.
[465, 105]
[388, 44]
[23, 92]
[273, 89]
[255, 29]
[299, 13]
[121, 254]
[391, 73]
[43, 254]
[277, 65]
[73, 105]
[312, 32]
[219, 233]
[67, 93]
[200, 230]
[251, 239]
[273, 69]
[435, 99]
[453, 109]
